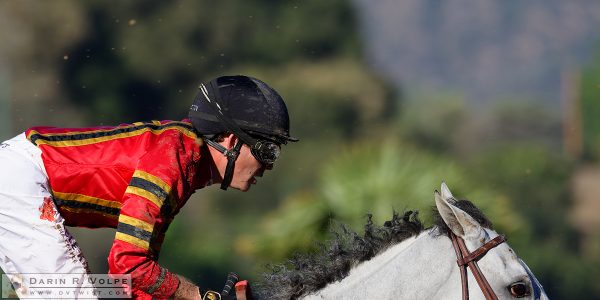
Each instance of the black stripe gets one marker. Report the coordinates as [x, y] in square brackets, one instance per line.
[77, 204]
[159, 281]
[149, 186]
[134, 231]
[99, 134]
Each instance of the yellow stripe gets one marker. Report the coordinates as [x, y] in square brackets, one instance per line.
[91, 140]
[156, 180]
[145, 194]
[136, 223]
[86, 199]
[135, 124]
[160, 183]
[40, 141]
[92, 131]
[87, 211]
[32, 133]
[82, 142]
[132, 240]
[112, 137]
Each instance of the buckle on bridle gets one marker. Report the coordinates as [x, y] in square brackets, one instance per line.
[231, 154]
[211, 295]
[242, 290]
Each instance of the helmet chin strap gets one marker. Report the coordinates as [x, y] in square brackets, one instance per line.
[232, 155]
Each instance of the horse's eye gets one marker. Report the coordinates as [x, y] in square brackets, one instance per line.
[519, 290]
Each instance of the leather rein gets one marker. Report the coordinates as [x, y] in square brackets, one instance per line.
[469, 259]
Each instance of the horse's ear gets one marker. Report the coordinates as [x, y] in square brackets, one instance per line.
[446, 194]
[457, 220]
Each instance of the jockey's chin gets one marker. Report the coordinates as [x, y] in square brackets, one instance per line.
[247, 169]
[243, 186]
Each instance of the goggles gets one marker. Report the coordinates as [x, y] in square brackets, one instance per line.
[265, 152]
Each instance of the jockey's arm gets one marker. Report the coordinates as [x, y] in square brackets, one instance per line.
[149, 203]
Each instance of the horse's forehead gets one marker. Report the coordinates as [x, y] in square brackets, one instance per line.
[509, 258]
[491, 233]
[506, 257]
[502, 254]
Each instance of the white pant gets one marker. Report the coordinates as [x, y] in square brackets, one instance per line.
[33, 237]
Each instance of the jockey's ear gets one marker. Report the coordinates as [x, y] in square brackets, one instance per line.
[457, 220]
[230, 140]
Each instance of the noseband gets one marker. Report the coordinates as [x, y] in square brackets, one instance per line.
[466, 258]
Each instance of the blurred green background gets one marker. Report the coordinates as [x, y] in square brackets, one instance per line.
[389, 99]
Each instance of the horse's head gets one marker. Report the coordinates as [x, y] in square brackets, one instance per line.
[508, 276]
[403, 260]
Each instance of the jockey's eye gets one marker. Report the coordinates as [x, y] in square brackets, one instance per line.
[519, 290]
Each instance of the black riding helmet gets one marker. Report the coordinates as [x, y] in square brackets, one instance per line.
[246, 107]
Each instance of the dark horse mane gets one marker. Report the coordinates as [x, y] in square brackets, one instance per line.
[307, 273]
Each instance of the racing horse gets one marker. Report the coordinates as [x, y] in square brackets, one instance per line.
[403, 260]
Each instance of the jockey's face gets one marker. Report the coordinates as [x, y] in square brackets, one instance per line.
[247, 167]
[246, 171]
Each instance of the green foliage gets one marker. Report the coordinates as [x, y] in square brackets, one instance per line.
[428, 119]
[445, 123]
[590, 108]
[376, 177]
[537, 182]
[536, 178]
[144, 56]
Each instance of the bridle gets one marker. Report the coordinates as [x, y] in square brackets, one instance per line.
[466, 258]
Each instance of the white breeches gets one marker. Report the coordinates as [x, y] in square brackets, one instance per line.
[33, 237]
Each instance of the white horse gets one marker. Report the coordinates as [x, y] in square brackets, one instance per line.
[424, 266]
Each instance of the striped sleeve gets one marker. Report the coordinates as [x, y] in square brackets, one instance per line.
[145, 214]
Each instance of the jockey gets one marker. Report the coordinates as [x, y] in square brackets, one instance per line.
[135, 178]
